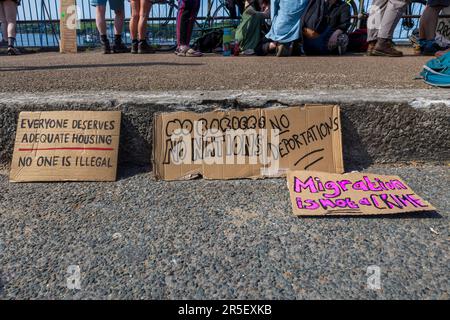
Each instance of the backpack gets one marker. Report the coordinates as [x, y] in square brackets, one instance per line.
[209, 42]
[357, 41]
[436, 72]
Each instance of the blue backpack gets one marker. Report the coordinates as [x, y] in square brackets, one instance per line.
[436, 72]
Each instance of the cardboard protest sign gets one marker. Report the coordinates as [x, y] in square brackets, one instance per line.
[443, 28]
[254, 143]
[320, 193]
[66, 146]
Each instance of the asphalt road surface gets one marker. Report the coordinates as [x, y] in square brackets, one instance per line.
[164, 71]
[141, 238]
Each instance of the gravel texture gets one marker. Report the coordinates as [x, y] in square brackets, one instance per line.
[94, 71]
[139, 238]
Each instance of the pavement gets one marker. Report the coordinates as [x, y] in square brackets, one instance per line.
[51, 71]
[139, 238]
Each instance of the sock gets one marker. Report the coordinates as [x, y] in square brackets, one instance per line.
[104, 38]
[118, 38]
[11, 42]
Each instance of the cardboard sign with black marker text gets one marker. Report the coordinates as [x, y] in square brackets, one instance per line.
[320, 193]
[66, 146]
[253, 143]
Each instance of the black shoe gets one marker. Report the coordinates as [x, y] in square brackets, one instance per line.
[120, 47]
[284, 50]
[106, 47]
[134, 47]
[13, 51]
[144, 47]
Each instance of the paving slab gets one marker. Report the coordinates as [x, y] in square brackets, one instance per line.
[51, 71]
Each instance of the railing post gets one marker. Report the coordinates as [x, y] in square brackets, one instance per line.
[68, 26]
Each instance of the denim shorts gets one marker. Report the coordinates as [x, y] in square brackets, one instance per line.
[438, 3]
[113, 4]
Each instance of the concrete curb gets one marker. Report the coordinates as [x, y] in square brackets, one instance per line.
[379, 126]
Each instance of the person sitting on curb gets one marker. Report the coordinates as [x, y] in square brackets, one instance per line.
[8, 14]
[428, 25]
[249, 31]
[187, 14]
[286, 21]
[384, 16]
[140, 10]
[100, 18]
[330, 36]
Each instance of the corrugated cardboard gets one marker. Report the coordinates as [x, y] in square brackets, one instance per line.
[309, 137]
[55, 155]
[319, 193]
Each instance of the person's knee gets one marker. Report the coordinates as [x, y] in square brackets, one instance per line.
[135, 15]
[119, 13]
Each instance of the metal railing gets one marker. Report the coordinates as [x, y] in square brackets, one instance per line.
[38, 21]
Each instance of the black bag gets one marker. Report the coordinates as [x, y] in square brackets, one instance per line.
[357, 41]
[209, 42]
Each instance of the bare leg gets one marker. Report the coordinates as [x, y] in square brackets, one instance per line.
[10, 8]
[100, 19]
[118, 21]
[3, 22]
[134, 20]
[428, 22]
[145, 10]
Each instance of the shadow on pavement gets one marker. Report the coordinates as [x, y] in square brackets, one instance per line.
[406, 215]
[83, 66]
[356, 156]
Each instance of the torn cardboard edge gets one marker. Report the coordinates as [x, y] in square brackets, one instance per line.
[297, 118]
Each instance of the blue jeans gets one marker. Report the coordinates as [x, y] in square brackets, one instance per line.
[285, 16]
[319, 45]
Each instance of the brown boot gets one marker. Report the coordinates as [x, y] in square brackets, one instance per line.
[370, 47]
[385, 47]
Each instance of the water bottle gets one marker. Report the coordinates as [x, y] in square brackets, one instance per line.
[227, 40]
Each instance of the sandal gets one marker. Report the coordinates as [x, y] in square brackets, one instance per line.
[187, 52]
